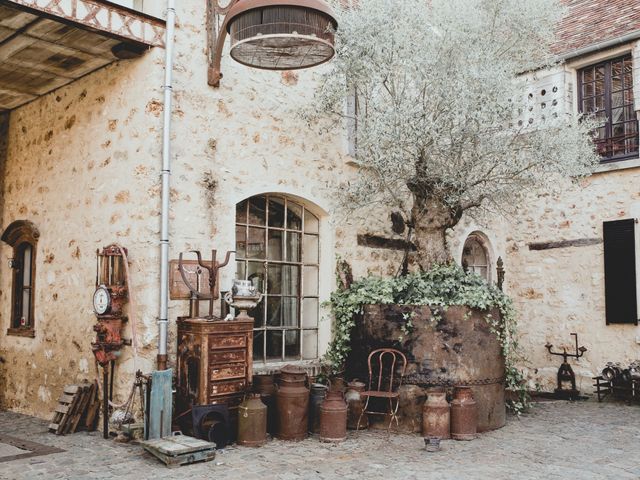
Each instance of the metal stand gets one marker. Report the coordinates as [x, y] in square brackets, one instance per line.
[565, 372]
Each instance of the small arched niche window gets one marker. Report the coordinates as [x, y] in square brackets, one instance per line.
[23, 236]
[475, 256]
[277, 248]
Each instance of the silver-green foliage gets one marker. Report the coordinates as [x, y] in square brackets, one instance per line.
[440, 89]
[439, 288]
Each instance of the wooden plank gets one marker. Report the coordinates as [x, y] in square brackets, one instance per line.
[64, 398]
[160, 404]
[376, 241]
[62, 409]
[91, 421]
[82, 406]
[580, 242]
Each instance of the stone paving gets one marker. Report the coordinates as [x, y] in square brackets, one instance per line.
[558, 440]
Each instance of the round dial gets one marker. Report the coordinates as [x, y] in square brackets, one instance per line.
[101, 300]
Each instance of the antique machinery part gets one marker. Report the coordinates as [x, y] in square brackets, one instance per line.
[196, 296]
[163, 318]
[565, 372]
[213, 271]
[271, 40]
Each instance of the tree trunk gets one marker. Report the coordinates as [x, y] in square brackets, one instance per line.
[431, 219]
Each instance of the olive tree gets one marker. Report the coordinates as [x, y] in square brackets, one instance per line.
[439, 88]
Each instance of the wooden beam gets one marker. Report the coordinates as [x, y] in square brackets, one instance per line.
[580, 242]
[376, 241]
[107, 18]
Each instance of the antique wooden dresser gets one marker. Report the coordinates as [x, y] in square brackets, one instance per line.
[214, 362]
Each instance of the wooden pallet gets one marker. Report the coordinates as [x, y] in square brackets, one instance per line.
[73, 405]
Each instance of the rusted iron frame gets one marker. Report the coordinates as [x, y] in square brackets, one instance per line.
[300, 295]
[215, 43]
[390, 395]
[213, 280]
[500, 272]
[155, 23]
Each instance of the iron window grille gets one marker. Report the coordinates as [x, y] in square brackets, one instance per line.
[278, 249]
[606, 91]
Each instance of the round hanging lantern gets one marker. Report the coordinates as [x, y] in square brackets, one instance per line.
[281, 34]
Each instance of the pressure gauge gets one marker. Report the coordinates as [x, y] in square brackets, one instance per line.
[101, 300]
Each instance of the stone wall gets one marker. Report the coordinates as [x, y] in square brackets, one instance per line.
[83, 164]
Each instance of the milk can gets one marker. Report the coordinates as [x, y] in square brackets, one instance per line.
[292, 401]
[436, 415]
[464, 414]
[263, 384]
[355, 405]
[318, 392]
[252, 422]
[333, 417]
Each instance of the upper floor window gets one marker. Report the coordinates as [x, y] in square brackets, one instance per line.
[277, 248]
[23, 236]
[606, 90]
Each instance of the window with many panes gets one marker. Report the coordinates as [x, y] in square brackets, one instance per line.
[277, 248]
[475, 257]
[23, 237]
[606, 90]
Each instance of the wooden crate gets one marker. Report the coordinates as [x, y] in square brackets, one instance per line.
[180, 450]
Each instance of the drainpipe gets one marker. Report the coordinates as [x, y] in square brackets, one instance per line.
[163, 319]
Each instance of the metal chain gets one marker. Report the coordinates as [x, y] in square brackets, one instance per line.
[422, 380]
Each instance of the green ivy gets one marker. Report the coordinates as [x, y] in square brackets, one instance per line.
[439, 288]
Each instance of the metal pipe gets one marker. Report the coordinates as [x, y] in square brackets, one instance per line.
[163, 319]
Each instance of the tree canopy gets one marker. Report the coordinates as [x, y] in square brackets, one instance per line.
[440, 93]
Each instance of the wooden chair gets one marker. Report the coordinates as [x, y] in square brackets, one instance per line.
[380, 388]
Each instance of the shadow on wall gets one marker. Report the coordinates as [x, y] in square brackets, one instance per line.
[4, 146]
[4, 141]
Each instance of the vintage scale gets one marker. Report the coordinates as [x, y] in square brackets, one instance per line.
[109, 297]
[215, 356]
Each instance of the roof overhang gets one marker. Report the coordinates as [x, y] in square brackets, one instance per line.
[46, 44]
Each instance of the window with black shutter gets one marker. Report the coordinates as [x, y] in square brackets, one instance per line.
[620, 272]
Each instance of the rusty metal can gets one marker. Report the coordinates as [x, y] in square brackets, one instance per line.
[355, 405]
[333, 418]
[252, 422]
[318, 392]
[464, 414]
[436, 415]
[265, 386]
[292, 402]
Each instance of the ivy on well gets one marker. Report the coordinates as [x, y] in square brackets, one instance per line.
[439, 288]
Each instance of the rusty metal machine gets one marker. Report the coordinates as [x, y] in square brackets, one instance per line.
[565, 372]
[214, 356]
[109, 298]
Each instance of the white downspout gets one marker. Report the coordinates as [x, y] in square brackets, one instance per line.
[163, 319]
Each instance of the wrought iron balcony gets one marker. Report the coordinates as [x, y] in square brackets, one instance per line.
[47, 44]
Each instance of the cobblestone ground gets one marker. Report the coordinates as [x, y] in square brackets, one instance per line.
[558, 440]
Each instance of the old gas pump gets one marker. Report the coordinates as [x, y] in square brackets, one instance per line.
[109, 298]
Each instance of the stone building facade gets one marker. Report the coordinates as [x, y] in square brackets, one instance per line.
[81, 163]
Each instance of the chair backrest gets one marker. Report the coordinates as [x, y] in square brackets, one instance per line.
[377, 358]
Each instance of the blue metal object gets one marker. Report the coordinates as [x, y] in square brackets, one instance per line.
[160, 405]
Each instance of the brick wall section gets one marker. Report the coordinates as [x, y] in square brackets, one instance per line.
[593, 21]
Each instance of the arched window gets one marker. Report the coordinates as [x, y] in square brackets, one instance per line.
[277, 247]
[475, 257]
[23, 236]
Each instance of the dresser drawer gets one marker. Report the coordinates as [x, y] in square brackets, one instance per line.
[216, 342]
[227, 387]
[227, 356]
[231, 401]
[224, 372]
